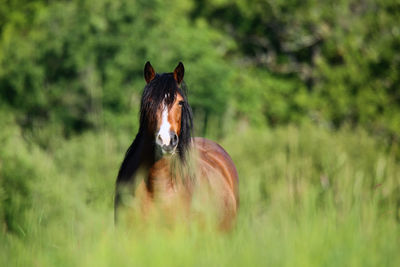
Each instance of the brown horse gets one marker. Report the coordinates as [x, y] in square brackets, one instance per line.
[167, 170]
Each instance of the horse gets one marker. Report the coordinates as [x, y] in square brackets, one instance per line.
[165, 168]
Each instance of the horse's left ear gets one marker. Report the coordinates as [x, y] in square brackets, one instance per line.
[179, 72]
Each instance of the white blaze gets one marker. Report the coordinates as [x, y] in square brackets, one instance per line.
[165, 127]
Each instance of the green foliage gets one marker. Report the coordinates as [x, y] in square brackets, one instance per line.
[321, 191]
[309, 197]
[16, 165]
[81, 63]
[344, 53]
[266, 99]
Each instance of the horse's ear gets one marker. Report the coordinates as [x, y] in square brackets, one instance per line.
[149, 72]
[179, 72]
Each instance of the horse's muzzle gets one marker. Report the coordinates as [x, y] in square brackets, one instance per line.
[167, 144]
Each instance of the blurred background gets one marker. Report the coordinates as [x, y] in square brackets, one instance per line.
[305, 96]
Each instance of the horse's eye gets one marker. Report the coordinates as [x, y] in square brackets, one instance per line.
[181, 103]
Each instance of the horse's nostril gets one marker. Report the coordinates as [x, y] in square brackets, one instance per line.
[174, 139]
[159, 139]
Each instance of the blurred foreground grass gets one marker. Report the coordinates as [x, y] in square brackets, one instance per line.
[309, 197]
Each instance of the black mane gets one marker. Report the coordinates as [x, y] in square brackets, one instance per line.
[142, 150]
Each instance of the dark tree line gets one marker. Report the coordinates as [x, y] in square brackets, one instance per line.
[78, 64]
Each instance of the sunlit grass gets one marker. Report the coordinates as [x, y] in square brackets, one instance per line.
[309, 197]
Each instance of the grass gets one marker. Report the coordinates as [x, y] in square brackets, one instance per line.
[309, 197]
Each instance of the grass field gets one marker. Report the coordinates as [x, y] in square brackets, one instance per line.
[309, 197]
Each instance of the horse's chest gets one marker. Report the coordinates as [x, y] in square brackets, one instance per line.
[162, 191]
[166, 190]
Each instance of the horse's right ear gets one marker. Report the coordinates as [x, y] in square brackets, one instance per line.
[149, 72]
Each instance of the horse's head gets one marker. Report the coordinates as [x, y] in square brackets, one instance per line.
[165, 112]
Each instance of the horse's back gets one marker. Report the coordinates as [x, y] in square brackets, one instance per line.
[217, 167]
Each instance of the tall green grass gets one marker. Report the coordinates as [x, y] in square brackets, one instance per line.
[308, 197]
